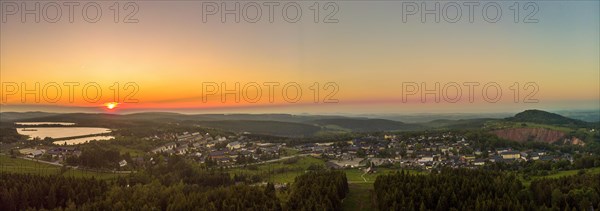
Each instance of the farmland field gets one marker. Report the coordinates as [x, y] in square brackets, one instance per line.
[280, 172]
[18, 165]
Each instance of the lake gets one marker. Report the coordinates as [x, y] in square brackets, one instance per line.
[83, 140]
[44, 123]
[60, 132]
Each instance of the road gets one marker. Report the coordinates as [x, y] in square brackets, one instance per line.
[74, 167]
[270, 161]
[127, 172]
[42, 161]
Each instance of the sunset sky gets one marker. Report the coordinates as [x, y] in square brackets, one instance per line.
[368, 54]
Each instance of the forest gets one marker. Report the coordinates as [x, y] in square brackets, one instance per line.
[21, 191]
[319, 191]
[466, 189]
[175, 190]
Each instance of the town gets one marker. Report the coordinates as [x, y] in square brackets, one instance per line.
[419, 152]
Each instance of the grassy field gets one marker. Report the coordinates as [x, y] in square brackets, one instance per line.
[509, 124]
[569, 173]
[361, 185]
[279, 172]
[560, 174]
[359, 198]
[17, 165]
[132, 152]
[290, 151]
[354, 175]
[360, 195]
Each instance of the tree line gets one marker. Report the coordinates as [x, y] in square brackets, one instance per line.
[26, 191]
[172, 184]
[318, 190]
[465, 189]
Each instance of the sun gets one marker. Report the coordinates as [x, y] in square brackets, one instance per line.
[111, 105]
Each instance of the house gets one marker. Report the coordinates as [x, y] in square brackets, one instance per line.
[32, 153]
[524, 156]
[381, 161]
[265, 144]
[35, 153]
[220, 139]
[272, 150]
[325, 144]
[123, 163]
[389, 137]
[164, 148]
[181, 150]
[479, 162]
[467, 158]
[503, 150]
[197, 145]
[218, 154]
[186, 136]
[234, 145]
[425, 159]
[510, 155]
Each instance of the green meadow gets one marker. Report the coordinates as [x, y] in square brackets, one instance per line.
[18, 165]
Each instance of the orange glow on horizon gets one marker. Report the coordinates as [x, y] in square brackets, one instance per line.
[111, 105]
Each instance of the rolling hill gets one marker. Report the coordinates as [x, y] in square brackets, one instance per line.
[544, 117]
[289, 129]
[457, 124]
[542, 126]
[309, 125]
[368, 125]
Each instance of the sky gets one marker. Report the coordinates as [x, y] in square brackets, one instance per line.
[360, 57]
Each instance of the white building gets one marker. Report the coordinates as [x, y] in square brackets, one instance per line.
[234, 145]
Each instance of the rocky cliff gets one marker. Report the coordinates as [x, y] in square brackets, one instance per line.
[533, 134]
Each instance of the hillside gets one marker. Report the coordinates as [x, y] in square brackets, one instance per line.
[310, 125]
[289, 129]
[367, 125]
[14, 116]
[544, 117]
[457, 124]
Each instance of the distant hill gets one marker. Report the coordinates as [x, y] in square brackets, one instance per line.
[42, 116]
[289, 129]
[367, 125]
[15, 116]
[283, 124]
[544, 117]
[262, 117]
[457, 124]
[592, 115]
